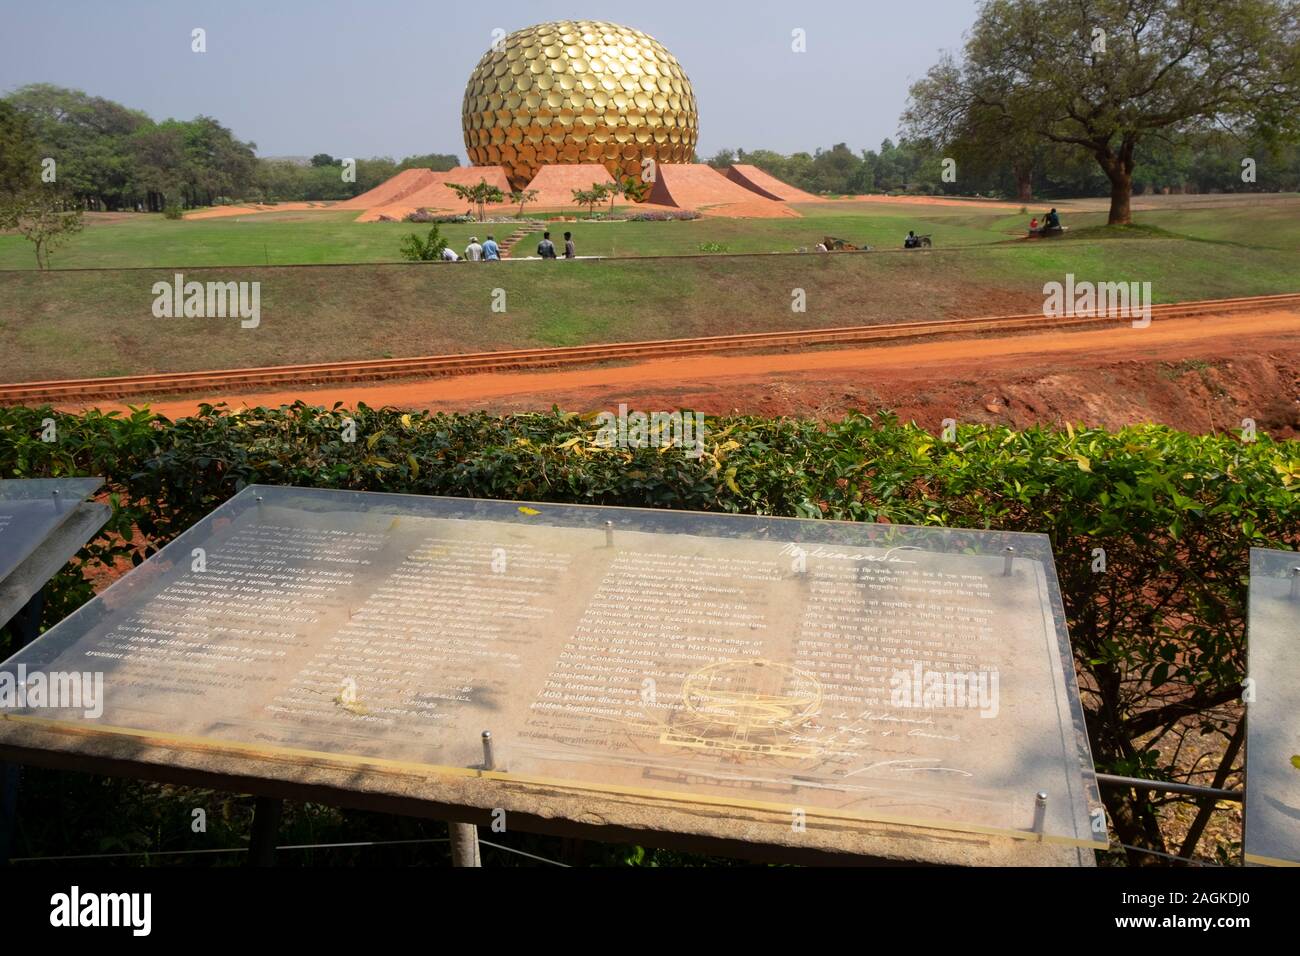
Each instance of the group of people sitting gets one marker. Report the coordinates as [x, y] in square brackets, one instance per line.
[491, 252]
[1051, 223]
[487, 252]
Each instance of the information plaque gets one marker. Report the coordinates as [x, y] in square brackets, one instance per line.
[1272, 826]
[827, 670]
[31, 509]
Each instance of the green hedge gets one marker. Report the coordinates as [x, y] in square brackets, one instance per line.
[1158, 636]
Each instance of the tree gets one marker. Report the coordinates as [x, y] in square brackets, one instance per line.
[19, 158]
[634, 188]
[523, 197]
[833, 168]
[438, 162]
[722, 159]
[324, 159]
[36, 210]
[111, 157]
[424, 250]
[88, 137]
[481, 193]
[977, 136]
[1104, 75]
[159, 157]
[590, 197]
[39, 214]
[611, 191]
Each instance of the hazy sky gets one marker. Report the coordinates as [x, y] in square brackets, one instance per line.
[385, 78]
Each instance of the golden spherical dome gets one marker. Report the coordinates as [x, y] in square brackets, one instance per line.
[578, 91]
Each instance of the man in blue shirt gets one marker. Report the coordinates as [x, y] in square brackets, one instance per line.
[491, 251]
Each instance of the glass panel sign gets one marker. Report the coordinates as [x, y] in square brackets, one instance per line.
[1273, 709]
[30, 510]
[858, 671]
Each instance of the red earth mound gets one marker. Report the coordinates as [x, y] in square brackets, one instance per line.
[391, 190]
[555, 184]
[766, 185]
[430, 192]
[700, 187]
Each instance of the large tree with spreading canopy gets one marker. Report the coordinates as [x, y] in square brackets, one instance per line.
[1102, 75]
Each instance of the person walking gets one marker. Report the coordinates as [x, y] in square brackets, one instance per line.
[546, 248]
[474, 252]
[570, 250]
[491, 251]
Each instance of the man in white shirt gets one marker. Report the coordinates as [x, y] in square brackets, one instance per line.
[449, 255]
[473, 252]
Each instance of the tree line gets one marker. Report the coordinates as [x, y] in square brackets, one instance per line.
[107, 156]
[1202, 164]
[1089, 97]
[1122, 85]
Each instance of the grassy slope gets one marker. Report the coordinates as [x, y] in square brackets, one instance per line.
[291, 238]
[71, 323]
[65, 324]
[288, 238]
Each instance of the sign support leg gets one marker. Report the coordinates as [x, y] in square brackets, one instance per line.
[26, 627]
[464, 844]
[266, 827]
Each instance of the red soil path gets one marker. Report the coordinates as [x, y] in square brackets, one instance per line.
[1197, 374]
[222, 212]
[953, 201]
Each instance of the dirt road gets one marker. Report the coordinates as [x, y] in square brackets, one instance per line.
[1199, 374]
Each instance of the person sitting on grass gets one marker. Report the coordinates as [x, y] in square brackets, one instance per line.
[546, 248]
[473, 252]
[1033, 224]
[570, 250]
[1052, 222]
[449, 255]
[491, 251]
[911, 242]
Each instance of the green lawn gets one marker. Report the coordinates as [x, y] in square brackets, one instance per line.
[319, 237]
[89, 323]
[327, 237]
[71, 322]
[878, 229]
[275, 238]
